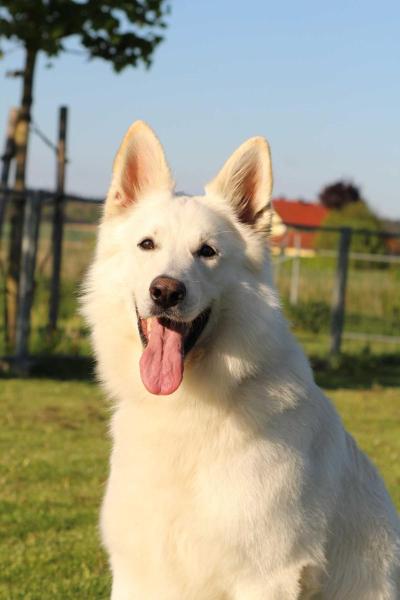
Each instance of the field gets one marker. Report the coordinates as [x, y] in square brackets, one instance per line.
[372, 296]
[53, 433]
[53, 465]
[372, 305]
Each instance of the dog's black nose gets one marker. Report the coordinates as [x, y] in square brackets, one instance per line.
[166, 291]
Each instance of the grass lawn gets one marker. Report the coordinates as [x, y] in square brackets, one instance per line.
[53, 465]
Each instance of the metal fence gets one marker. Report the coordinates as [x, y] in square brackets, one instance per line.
[341, 297]
[36, 334]
[334, 297]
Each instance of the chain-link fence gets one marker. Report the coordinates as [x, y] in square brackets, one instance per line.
[79, 234]
[308, 281]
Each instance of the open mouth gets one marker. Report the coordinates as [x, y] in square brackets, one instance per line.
[166, 342]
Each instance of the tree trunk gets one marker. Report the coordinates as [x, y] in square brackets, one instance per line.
[17, 206]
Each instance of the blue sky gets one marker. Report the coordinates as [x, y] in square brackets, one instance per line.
[320, 80]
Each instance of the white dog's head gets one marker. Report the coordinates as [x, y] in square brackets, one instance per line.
[182, 266]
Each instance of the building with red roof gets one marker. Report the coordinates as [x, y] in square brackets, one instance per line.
[297, 212]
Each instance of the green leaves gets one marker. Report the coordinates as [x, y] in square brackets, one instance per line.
[123, 32]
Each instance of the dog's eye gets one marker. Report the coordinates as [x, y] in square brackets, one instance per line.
[207, 251]
[147, 244]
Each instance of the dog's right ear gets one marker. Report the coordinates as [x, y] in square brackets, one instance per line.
[139, 169]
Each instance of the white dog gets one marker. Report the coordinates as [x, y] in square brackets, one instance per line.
[232, 477]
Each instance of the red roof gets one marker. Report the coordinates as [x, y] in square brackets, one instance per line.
[299, 212]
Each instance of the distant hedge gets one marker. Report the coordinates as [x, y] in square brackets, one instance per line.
[357, 215]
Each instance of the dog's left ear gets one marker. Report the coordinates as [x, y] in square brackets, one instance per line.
[246, 182]
[140, 169]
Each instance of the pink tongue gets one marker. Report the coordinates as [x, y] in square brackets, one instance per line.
[161, 364]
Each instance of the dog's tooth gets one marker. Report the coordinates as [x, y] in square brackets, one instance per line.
[150, 322]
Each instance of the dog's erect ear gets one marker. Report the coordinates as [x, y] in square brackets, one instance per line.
[246, 182]
[139, 169]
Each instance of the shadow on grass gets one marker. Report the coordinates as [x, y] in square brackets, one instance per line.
[356, 371]
[58, 367]
[359, 371]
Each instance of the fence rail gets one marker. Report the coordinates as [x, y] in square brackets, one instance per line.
[292, 273]
[294, 259]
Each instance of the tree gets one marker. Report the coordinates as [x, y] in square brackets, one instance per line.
[337, 195]
[356, 215]
[123, 32]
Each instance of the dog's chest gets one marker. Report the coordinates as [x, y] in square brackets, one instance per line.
[169, 480]
[154, 514]
[191, 501]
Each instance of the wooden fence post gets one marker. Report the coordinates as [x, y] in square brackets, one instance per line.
[58, 220]
[9, 152]
[295, 276]
[339, 296]
[30, 237]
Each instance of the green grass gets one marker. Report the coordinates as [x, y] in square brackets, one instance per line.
[372, 296]
[372, 303]
[53, 465]
[53, 441]
[373, 417]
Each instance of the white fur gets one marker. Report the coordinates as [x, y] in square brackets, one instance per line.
[243, 484]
